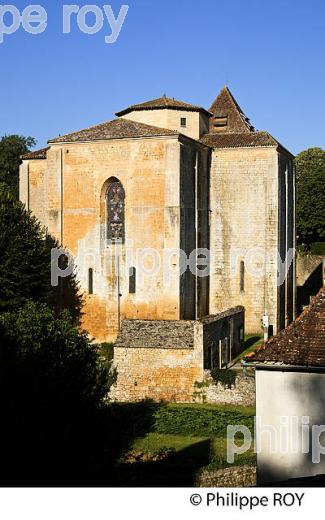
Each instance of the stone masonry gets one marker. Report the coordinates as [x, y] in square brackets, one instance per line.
[199, 190]
[163, 360]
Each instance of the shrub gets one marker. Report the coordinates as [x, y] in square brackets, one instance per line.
[50, 358]
[225, 376]
[200, 420]
[317, 248]
[52, 388]
[106, 352]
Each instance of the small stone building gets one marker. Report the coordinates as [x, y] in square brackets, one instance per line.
[171, 212]
[165, 359]
[290, 399]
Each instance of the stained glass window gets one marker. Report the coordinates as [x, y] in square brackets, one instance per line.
[115, 202]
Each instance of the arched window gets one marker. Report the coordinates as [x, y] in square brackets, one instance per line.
[115, 212]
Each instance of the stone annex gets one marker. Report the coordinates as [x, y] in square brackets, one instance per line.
[138, 199]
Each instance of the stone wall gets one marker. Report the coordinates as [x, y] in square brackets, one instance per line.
[160, 360]
[242, 392]
[235, 476]
[66, 192]
[310, 278]
[163, 359]
[249, 223]
[306, 265]
[226, 327]
[32, 187]
[197, 123]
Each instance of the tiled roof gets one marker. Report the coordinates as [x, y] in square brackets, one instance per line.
[225, 106]
[116, 129]
[161, 103]
[300, 344]
[38, 154]
[239, 140]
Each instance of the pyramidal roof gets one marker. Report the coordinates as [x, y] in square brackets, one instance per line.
[163, 103]
[228, 117]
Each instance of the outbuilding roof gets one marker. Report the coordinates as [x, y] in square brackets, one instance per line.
[302, 343]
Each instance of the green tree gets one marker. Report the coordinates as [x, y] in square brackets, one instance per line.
[11, 149]
[310, 185]
[53, 354]
[52, 386]
[25, 262]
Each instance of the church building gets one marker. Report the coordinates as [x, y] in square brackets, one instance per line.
[173, 214]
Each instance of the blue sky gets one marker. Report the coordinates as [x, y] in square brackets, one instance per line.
[270, 54]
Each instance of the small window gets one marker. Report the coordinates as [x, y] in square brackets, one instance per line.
[242, 276]
[220, 121]
[132, 280]
[183, 122]
[90, 281]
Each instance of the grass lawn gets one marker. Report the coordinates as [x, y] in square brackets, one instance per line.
[251, 342]
[184, 439]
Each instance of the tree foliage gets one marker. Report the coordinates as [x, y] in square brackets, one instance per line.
[52, 385]
[310, 185]
[25, 262]
[50, 358]
[11, 149]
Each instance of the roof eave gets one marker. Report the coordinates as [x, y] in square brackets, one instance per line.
[283, 367]
[80, 141]
[163, 107]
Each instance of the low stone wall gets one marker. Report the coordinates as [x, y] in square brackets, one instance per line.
[306, 264]
[171, 334]
[226, 326]
[164, 359]
[241, 393]
[236, 476]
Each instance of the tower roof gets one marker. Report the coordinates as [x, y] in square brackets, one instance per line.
[163, 103]
[228, 117]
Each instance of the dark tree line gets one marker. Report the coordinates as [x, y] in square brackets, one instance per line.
[12, 147]
[310, 187]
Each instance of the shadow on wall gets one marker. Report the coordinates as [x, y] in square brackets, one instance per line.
[298, 469]
[66, 295]
[310, 288]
